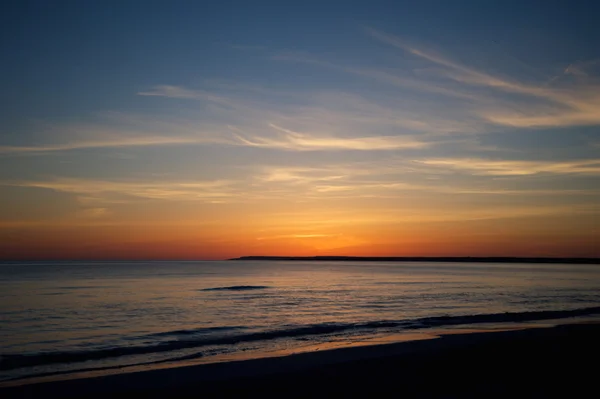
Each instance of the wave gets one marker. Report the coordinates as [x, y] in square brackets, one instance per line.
[237, 288]
[104, 368]
[10, 361]
[195, 331]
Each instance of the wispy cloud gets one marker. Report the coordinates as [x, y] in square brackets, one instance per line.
[162, 190]
[268, 136]
[330, 116]
[462, 73]
[301, 174]
[291, 140]
[183, 93]
[516, 168]
[485, 100]
[570, 103]
[395, 179]
[322, 122]
[348, 181]
[396, 190]
[582, 68]
[377, 74]
[106, 142]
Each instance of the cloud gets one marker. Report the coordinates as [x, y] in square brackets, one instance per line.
[279, 138]
[353, 112]
[121, 131]
[570, 104]
[370, 121]
[381, 75]
[326, 113]
[462, 73]
[285, 140]
[384, 179]
[291, 140]
[517, 168]
[300, 175]
[330, 122]
[395, 190]
[394, 179]
[485, 100]
[582, 69]
[100, 190]
[106, 142]
[183, 93]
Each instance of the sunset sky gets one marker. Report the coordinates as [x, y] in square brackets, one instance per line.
[210, 130]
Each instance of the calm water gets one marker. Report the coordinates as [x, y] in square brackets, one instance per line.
[57, 318]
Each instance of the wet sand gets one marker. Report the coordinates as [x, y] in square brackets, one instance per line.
[559, 361]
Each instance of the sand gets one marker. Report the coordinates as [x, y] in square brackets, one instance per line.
[559, 361]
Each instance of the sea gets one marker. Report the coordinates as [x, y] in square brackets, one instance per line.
[67, 319]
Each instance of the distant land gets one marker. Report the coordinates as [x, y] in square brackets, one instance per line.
[426, 259]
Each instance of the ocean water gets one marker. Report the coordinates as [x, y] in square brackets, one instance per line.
[59, 318]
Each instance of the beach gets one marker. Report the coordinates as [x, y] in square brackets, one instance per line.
[534, 362]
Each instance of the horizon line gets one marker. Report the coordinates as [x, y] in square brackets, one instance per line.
[503, 259]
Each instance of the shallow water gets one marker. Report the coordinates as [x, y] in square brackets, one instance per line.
[70, 316]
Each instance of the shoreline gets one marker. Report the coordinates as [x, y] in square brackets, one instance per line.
[460, 259]
[559, 350]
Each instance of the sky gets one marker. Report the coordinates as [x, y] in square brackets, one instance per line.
[211, 130]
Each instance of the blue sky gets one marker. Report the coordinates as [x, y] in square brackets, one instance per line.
[307, 120]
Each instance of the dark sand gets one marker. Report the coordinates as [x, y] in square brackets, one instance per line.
[560, 361]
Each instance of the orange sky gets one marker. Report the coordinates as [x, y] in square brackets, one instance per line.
[521, 237]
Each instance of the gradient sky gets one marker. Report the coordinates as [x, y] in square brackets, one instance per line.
[208, 130]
